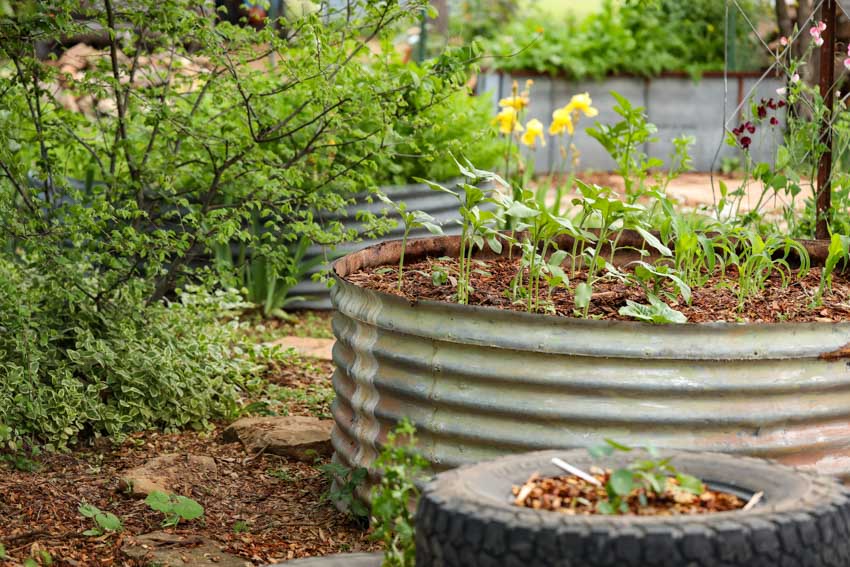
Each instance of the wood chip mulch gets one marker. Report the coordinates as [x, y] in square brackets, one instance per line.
[575, 496]
[263, 508]
[714, 302]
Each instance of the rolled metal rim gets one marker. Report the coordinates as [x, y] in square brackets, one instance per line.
[752, 340]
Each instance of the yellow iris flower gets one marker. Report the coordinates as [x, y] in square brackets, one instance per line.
[561, 121]
[507, 120]
[517, 102]
[581, 103]
[533, 130]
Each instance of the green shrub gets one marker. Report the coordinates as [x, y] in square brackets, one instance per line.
[453, 124]
[640, 37]
[71, 368]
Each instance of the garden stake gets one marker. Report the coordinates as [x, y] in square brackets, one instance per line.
[755, 499]
[575, 471]
[827, 76]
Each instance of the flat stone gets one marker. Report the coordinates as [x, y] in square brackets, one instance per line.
[308, 346]
[340, 560]
[173, 550]
[166, 473]
[288, 436]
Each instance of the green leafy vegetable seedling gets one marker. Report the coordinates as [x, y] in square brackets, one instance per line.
[104, 521]
[176, 508]
[649, 476]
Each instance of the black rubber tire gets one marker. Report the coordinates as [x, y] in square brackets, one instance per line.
[340, 560]
[465, 518]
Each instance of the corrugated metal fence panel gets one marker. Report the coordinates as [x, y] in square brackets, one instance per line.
[677, 105]
[481, 382]
[418, 196]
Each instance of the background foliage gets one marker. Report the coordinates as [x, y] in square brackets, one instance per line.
[105, 217]
[641, 37]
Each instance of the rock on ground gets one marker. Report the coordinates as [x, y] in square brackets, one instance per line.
[298, 437]
[308, 346]
[167, 473]
[173, 550]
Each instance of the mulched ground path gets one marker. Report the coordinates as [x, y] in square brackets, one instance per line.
[264, 509]
[716, 301]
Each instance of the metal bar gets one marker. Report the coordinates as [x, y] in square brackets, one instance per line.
[827, 78]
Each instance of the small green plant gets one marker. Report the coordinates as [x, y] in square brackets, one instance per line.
[648, 476]
[839, 249]
[656, 312]
[104, 521]
[477, 226]
[3, 551]
[410, 221]
[344, 482]
[241, 527]
[42, 558]
[175, 507]
[282, 474]
[393, 499]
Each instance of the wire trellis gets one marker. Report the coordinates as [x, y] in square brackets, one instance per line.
[821, 11]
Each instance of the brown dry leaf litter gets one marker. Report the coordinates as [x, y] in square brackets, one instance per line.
[575, 496]
[279, 500]
[716, 301]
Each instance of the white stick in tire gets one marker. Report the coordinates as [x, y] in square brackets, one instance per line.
[575, 471]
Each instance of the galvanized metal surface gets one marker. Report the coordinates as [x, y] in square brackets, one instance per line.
[676, 104]
[480, 382]
[417, 196]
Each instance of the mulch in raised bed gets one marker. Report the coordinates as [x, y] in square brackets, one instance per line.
[573, 496]
[716, 301]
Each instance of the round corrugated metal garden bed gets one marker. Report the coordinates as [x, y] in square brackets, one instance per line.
[481, 382]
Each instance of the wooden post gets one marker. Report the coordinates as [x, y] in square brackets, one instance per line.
[827, 78]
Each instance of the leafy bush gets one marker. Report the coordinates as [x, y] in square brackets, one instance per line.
[453, 124]
[179, 163]
[193, 143]
[71, 367]
[641, 37]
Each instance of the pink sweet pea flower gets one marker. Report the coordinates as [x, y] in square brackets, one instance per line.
[815, 32]
[783, 41]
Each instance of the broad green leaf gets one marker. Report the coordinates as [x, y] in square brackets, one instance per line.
[87, 510]
[187, 508]
[650, 239]
[108, 521]
[584, 291]
[622, 482]
[159, 501]
[690, 483]
[519, 210]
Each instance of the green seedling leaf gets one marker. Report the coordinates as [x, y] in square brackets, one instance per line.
[159, 501]
[650, 239]
[690, 483]
[622, 482]
[187, 508]
[584, 291]
[617, 446]
[108, 521]
[87, 510]
[606, 508]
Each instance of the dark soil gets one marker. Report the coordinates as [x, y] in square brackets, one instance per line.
[716, 301]
[575, 496]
